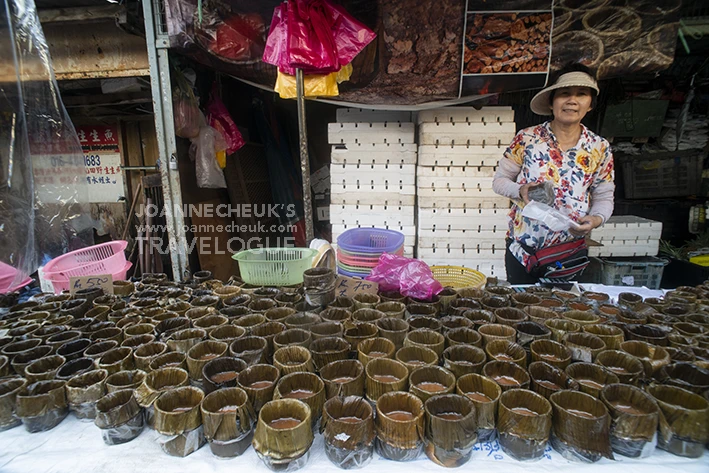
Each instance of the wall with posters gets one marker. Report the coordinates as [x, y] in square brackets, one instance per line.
[430, 51]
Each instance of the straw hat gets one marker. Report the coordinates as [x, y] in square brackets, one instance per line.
[540, 102]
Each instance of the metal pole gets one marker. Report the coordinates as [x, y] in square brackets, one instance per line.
[140, 168]
[157, 44]
[304, 158]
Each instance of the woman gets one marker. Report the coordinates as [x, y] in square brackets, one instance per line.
[578, 164]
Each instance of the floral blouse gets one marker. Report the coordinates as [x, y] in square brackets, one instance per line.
[575, 174]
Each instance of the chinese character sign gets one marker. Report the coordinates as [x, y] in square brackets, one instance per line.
[102, 162]
[346, 286]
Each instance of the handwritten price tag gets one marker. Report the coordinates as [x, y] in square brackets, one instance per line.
[104, 281]
[347, 286]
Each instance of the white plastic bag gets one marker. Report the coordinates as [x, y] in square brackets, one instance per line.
[549, 216]
[205, 148]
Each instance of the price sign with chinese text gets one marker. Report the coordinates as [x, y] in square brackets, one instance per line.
[104, 281]
[347, 286]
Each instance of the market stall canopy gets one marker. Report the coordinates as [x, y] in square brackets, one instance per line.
[448, 50]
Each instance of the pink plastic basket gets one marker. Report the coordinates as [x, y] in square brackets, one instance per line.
[106, 258]
[61, 283]
[7, 277]
[361, 261]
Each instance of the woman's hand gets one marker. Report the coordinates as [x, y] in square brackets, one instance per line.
[524, 190]
[586, 224]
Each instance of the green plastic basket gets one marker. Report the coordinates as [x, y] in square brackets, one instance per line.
[274, 266]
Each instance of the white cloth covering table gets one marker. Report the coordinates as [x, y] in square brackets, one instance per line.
[76, 447]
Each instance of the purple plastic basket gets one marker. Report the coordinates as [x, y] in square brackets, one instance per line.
[370, 240]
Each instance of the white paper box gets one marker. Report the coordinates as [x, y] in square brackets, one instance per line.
[484, 254]
[388, 210]
[628, 227]
[391, 169]
[463, 218]
[489, 134]
[467, 115]
[364, 115]
[381, 221]
[461, 243]
[472, 236]
[469, 201]
[626, 248]
[373, 175]
[469, 172]
[366, 216]
[370, 133]
[456, 189]
[408, 230]
[374, 153]
[369, 188]
[486, 240]
[453, 181]
[452, 155]
[374, 198]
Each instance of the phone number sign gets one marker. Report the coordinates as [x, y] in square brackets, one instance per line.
[102, 162]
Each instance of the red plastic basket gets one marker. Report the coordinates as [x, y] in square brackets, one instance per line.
[106, 258]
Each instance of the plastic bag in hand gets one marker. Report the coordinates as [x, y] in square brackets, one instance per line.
[549, 216]
[411, 277]
[206, 146]
[543, 193]
[218, 118]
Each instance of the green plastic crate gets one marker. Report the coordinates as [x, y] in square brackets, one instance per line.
[274, 266]
[639, 271]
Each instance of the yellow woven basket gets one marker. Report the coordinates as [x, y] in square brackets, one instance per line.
[458, 277]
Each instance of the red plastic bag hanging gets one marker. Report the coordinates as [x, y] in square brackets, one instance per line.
[314, 35]
[218, 117]
[350, 36]
[239, 38]
[411, 277]
[311, 45]
[276, 50]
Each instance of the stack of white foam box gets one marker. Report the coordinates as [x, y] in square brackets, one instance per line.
[627, 235]
[373, 172]
[461, 221]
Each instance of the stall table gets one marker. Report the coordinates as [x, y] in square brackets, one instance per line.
[76, 446]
